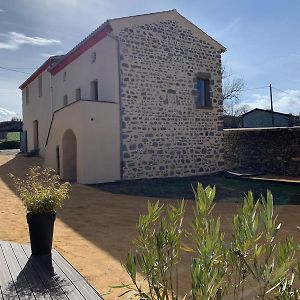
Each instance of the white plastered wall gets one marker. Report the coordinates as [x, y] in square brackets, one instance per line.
[82, 71]
[97, 129]
[38, 108]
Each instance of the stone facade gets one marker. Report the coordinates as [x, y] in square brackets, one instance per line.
[164, 132]
[272, 150]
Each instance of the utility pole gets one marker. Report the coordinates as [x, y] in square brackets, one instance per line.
[271, 98]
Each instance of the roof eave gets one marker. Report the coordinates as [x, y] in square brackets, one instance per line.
[36, 73]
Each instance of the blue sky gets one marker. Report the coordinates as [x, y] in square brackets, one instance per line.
[261, 37]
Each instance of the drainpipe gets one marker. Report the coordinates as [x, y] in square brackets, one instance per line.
[120, 101]
[51, 97]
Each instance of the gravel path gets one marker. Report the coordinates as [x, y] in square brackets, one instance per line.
[94, 230]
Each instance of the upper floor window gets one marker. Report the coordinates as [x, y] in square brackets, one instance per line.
[65, 100]
[94, 90]
[27, 94]
[94, 56]
[78, 94]
[64, 76]
[203, 92]
[40, 82]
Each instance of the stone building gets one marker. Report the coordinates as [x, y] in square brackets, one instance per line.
[140, 97]
[258, 118]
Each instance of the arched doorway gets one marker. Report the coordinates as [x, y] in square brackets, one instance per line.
[69, 147]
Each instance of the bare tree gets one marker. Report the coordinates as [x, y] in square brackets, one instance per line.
[232, 88]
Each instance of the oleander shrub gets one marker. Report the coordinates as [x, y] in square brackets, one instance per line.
[250, 264]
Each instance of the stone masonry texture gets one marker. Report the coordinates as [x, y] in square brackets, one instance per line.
[164, 132]
[271, 151]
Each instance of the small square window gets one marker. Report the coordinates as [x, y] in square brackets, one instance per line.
[64, 76]
[203, 92]
[65, 100]
[78, 94]
[94, 56]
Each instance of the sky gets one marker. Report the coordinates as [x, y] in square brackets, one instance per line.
[261, 37]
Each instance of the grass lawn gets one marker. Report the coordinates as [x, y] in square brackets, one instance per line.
[12, 136]
[228, 189]
[12, 141]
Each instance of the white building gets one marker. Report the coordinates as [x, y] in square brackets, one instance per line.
[140, 97]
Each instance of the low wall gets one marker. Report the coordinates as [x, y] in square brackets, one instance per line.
[269, 150]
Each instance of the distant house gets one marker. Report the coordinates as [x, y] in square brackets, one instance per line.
[232, 121]
[258, 118]
[140, 97]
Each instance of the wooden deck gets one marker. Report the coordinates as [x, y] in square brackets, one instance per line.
[23, 276]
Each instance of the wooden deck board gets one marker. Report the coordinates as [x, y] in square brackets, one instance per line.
[23, 276]
[81, 284]
[32, 277]
[18, 278]
[8, 289]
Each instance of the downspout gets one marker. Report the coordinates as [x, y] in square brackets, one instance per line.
[120, 101]
[51, 96]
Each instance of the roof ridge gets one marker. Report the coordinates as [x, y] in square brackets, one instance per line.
[141, 15]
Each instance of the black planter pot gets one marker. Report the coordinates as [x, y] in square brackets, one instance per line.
[41, 232]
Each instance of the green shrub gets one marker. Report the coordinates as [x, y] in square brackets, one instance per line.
[41, 191]
[9, 145]
[253, 257]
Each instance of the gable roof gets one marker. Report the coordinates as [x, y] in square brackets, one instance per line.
[92, 39]
[163, 15]
[267, 111]
[49, 62]
[57, 63]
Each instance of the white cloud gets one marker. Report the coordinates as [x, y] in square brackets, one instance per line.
[2, 10]
[6, 115]
[15, 40]
[287, 101]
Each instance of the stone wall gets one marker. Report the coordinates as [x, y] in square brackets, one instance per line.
[163, 132]
[269, 150]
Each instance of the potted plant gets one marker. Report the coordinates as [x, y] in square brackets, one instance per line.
[42, 194]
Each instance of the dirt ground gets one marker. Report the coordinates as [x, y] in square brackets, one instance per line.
[94, 229]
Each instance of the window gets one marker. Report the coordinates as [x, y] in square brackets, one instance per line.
[64, 76]
[27, 95]
[78, 94]
[94, 90]
[40, 86]
[203, 92]
[65, 100]
[94, 56]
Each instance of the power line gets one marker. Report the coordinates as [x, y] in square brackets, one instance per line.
[284, 92]
[256, 88]
[13, 70]
[20, 68]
